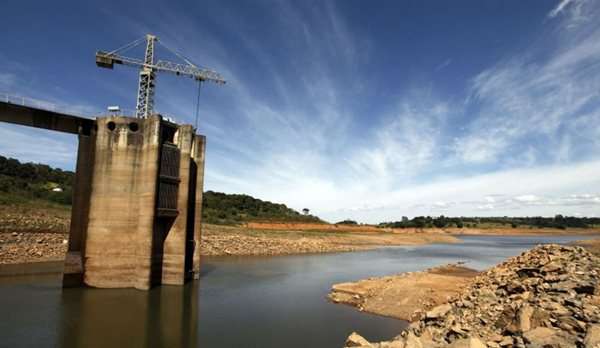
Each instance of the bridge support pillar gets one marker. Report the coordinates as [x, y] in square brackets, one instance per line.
[82, 185]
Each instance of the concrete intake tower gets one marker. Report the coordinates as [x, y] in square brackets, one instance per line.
[137, 192]
[137, 204]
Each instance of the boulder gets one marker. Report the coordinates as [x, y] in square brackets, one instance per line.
[543, 337]
[392, 344]
[356, 340]
[438, 311]
[506, 341]
[551, 267]
[525, 314]
[507, 321]
[412, 341]
[471, 342]
[592, 336]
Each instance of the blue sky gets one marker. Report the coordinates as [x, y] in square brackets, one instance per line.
[353, 109]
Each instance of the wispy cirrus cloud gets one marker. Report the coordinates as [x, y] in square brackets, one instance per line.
[307, 122]
[537, 101]
[560, 7]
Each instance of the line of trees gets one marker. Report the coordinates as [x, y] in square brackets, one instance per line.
[558, 221]
[24, 181]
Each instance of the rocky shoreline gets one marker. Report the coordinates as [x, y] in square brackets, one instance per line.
[546, 297]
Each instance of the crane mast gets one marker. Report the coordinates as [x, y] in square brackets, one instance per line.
[145, 96]
[149, 68]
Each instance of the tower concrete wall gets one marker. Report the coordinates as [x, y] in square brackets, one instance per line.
[198, 154]
[141, 219]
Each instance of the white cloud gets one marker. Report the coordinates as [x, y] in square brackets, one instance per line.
[555, 11]
[527, 198]
[48, 148]
[403, 144]
[443, 65]
[546, 190]
[7, 81]
[488, 207]
[536, 95]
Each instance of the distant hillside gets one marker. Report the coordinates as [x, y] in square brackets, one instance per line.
[22, 182]
[222, 208]
[37, 183]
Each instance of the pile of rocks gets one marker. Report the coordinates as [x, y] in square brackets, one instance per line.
[545, 297]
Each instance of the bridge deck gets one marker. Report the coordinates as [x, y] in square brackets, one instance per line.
[40, 118]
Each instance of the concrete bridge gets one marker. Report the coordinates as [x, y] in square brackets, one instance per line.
[137, 197]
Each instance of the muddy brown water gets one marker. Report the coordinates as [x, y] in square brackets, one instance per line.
[238, 302]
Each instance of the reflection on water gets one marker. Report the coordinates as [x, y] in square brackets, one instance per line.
[43, 314]
[163, 317]
[239, 302]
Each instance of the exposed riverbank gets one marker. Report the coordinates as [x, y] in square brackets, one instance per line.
[546, 297]
[225, 240]
[37, 246]
[406, 295]
[39, 233]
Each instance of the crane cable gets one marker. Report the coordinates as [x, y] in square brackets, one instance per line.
[128, 46]
[179, 55]
[198, 103]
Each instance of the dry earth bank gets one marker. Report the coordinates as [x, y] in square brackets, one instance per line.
[38, 233]
[404, 295]
[30, 234]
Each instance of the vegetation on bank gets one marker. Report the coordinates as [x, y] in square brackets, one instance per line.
[24, 182]
[39, 185]
[229, 209]
[347, 222]
[558, 221]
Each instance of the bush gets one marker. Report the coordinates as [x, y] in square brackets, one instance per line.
[347, 222]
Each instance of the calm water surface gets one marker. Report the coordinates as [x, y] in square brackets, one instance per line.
[238, 302]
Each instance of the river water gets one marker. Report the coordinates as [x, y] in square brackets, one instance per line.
[238, 302]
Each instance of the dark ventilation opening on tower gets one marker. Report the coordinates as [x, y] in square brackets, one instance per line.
[168, 133]
[134, 127]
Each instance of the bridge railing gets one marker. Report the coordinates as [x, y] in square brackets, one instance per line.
[54, 107]
[43, 105]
